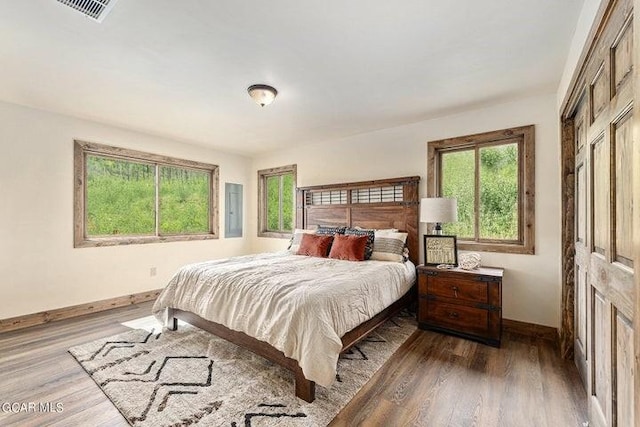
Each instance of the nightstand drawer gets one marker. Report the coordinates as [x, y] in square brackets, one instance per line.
[457, 288]
[461, 318]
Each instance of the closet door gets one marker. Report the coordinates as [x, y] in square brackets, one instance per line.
[604, 268]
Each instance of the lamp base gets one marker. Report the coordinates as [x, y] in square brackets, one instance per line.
[438, 229]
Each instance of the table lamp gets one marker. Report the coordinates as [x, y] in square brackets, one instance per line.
[438, 210]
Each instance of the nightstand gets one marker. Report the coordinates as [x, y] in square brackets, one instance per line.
[466, 303]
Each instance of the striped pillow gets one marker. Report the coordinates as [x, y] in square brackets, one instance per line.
[389, 246]
[330, 231]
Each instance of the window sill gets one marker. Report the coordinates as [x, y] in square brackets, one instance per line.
[276, 235]
[509, 248]
[136, 240]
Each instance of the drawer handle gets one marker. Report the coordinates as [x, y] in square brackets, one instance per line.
[453, 315]
[455, 290]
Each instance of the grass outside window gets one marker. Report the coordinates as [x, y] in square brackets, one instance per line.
[492, 177]
[126, 197]
[276, 201]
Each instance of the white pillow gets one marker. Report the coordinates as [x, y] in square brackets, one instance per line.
[296, 237]
[389, 246]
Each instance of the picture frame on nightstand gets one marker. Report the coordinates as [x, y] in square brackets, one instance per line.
[440, 250]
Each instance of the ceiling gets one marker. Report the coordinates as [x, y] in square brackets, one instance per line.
[180, 69]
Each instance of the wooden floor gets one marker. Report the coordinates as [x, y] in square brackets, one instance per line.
[433, 380]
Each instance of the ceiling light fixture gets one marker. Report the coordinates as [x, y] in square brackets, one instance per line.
[262, 94]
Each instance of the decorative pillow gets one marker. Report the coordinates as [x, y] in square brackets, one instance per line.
[294, 243]
[315, 245]
[363, 232]
[348, 247]
[330, 230]
[389, 246]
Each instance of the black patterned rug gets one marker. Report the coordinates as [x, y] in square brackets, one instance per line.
[190, 377]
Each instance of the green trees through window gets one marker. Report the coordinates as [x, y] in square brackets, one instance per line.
[499, 189]
[492, 176]
[136, 197]
[458, 170]
[497, 192]
[276, 200]
[280, 190]
[184, 200]
[121, 198]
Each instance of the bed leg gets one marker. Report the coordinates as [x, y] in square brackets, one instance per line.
[172, 322]
[305, 389]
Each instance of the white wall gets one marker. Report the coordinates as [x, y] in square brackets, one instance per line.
[41, 270]
[39, 267]
[583, 26]
[532, 284]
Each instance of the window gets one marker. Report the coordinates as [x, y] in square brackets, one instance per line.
[492, 177]
[126, 197]
[276, 196]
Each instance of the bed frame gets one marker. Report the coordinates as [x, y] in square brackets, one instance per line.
[387, 203]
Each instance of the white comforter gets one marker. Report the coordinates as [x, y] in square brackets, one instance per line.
[300, 305]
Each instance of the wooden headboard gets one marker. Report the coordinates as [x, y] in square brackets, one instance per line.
[383, 203]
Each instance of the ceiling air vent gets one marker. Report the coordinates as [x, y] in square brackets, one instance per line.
[94, 9]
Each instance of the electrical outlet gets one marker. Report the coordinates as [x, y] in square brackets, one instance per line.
[153, 271]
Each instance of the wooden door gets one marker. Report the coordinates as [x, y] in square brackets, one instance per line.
[604, 297]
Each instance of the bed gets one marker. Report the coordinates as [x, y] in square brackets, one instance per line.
[299, 311]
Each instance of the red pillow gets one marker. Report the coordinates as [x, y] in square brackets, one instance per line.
[315, 245]
[348, 247]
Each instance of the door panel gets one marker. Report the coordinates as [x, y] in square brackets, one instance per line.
[600, 195]
[601, 379]
[599, 95]
[623, 145]
[581, 311]
[624, 371]
[581, 333]
[581, 202]
[581, 269]
[622, 54]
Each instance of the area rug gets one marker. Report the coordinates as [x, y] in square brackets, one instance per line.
[190, 377]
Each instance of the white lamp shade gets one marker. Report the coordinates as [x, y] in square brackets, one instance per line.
[438, 209]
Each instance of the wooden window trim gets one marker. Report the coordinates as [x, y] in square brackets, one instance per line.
[262, 206]
[82, 149]
[526, 198]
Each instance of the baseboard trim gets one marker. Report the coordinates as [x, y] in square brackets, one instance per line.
[20, 322]
[530, 329]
